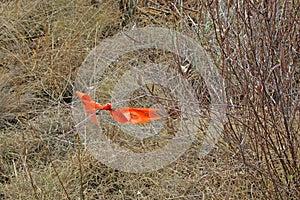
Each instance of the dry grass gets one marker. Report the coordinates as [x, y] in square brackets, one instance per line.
[255, 45]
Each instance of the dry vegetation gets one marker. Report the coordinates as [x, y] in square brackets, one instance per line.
[255, 44]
